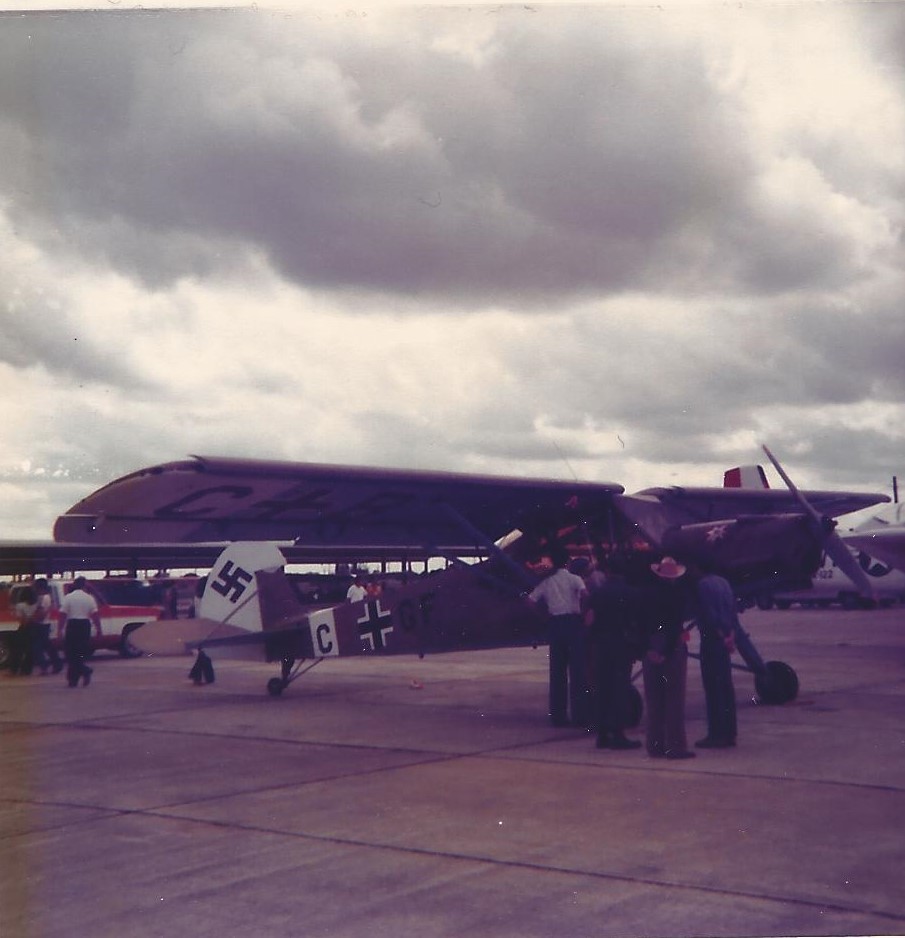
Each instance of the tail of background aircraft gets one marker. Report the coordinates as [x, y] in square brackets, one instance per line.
[745, 477]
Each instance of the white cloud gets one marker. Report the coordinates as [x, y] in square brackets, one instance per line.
[627, 243]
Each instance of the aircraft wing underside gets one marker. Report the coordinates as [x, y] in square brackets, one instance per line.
[228, 500]
[218, 500]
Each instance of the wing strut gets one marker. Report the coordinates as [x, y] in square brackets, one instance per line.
[482, 540]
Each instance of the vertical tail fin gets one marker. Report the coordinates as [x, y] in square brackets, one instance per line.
[745, 477]
[231, 592]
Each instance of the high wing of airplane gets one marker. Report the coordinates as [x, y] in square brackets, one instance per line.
[205, 499]
[754, 535]
[356, 508]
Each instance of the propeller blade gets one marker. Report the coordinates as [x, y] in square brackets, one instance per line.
[825, 531]
[790, 485]
[848, 564]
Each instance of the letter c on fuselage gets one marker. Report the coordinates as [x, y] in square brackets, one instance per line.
[324, 641]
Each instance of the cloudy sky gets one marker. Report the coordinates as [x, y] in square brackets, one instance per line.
[618, 242]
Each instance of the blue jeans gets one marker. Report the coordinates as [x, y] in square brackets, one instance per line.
[719, 692]
[568, 665]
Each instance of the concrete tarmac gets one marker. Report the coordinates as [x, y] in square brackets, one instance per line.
[402, 797]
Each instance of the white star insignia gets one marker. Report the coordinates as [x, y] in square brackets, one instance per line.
[717, 533]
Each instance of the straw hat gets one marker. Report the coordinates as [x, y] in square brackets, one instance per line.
[668, 569]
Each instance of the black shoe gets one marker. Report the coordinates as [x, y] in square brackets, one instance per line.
[623, 742]
[709, 742]
[680, 754]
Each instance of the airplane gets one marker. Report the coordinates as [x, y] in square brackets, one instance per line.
[831, 586]
[882, 536]
[757, 536]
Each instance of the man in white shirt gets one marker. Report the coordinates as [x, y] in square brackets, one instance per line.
[78, 612]
[564, 593]
[356, 591]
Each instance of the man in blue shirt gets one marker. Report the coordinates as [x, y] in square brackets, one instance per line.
[717, 621]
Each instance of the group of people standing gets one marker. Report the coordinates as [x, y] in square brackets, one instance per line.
[604, 617]
[33, 647]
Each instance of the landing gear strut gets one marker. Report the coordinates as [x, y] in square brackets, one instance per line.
[290, 669]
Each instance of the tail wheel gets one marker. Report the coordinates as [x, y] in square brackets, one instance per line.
[777, 684]
[276, 686]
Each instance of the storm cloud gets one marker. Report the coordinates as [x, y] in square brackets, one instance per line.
[625, 243]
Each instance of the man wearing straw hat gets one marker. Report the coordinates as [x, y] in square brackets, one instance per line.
[666, 662]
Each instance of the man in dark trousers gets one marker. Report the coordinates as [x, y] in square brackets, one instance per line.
[717, 621]
[78, 612]
[615, 609]
[666, 661]
[563, 593]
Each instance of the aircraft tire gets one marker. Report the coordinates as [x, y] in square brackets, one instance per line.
[275, 686]
[778, 684]
[126, 648]
[635, 707]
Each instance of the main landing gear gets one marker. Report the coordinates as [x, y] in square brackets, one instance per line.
[290, 669]
[775, 681]
[776, 684]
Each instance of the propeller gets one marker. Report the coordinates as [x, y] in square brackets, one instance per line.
[825, 530]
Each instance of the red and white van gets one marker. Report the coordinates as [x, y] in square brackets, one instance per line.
[124, 605]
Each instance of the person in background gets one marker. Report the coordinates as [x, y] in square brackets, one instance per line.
[78, 612]
[615, 608]
[46, 654]
[665, 664]
[563, 593]
[22, 655]
[356, 592]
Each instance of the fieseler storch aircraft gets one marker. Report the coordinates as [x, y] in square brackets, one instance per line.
[757, 536]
